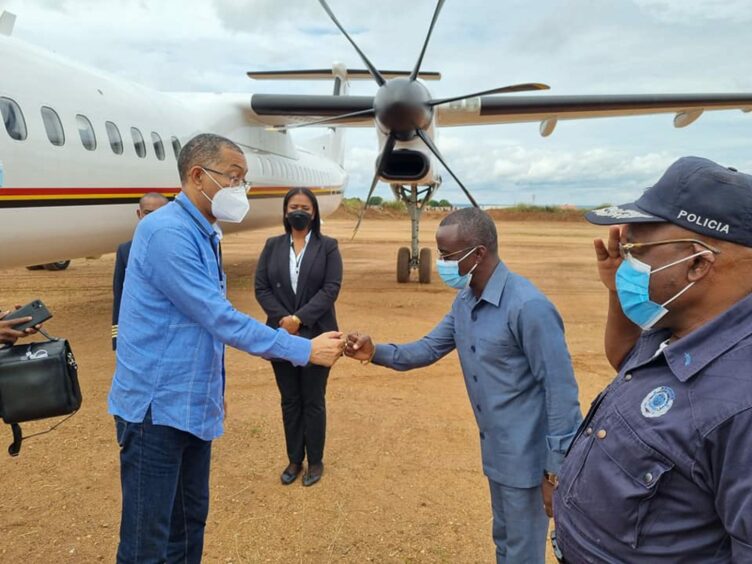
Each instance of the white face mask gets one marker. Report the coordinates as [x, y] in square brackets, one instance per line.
[229, 204]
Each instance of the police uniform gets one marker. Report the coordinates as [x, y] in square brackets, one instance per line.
[661, 468]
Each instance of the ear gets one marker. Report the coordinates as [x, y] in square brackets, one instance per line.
[195, 175]
[701, 265]
[138, 213]
[480, 253]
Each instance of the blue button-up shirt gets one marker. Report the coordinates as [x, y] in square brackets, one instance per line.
[175, 321]
[517, 371]
[662, 468]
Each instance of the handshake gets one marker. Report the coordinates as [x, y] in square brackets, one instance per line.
[328, 347]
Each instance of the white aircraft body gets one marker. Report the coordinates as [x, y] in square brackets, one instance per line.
[78, 148]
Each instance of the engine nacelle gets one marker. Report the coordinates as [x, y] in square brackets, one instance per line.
[410, 162]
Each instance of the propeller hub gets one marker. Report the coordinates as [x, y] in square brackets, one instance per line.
[401, 107]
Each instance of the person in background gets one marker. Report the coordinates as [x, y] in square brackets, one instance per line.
[298, 278]
[148, 203]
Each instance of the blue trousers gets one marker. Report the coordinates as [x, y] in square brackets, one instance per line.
[520, 524]
[164, 476]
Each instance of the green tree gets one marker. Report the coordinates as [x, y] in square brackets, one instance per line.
[375, 201]
[445, 204]
[433, 204]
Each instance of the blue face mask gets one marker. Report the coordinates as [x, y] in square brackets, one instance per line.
[632, 287]
[449, 271]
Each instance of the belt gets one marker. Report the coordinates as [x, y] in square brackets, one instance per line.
[555, 546]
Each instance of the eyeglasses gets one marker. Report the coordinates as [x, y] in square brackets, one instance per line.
[447, 255]
[625, 249]
[235, 182]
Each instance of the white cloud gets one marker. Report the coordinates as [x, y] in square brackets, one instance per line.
[578, 46]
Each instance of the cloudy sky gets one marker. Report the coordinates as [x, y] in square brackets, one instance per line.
[576, 46]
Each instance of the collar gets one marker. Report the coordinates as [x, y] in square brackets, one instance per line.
[307, 238]
[208, 229]
[691, 354]
[494, 287]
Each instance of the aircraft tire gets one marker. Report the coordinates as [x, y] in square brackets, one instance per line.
[56, 266]
[403, 265]
[35, 267]
[424, 270]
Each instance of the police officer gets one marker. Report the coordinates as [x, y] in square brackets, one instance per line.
[661, 470]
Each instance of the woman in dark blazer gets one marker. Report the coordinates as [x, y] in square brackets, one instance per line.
[298, 278]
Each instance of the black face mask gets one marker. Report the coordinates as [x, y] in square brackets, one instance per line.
[299, 219]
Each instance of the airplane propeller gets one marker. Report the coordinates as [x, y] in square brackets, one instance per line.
[403, 107]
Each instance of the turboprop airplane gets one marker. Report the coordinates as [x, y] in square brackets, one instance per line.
[80, 147]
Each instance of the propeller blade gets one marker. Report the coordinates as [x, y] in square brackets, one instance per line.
[525, 87]
[332, 119]
[416, 70]
[388, 146]
[435, 150]
[372, 69]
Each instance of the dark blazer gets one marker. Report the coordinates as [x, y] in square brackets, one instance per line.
[319, 282]
[118, 279]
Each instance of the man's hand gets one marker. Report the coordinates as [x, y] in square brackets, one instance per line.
[290, 324]
[609, 259]
[359, 347]
[547, 488]
[9, 335]
[327, 348]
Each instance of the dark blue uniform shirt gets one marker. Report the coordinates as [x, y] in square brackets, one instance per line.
[661, 470]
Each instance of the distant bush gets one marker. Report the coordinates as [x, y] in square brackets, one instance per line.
[526, 208]
[395, 206]
[445, 204]
[375, 201]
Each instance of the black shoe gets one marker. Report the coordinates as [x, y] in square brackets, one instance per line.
[314, 474]
[290, 474]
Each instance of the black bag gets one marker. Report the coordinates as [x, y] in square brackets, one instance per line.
[37, 380]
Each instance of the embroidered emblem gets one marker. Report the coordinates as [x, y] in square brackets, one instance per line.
[657, 402]
[620, 213]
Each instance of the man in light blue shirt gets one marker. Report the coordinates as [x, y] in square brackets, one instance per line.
[518, 373]
[168, 390]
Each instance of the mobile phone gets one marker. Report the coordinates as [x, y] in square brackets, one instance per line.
[36, 310]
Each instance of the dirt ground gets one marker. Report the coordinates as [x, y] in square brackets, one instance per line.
[403, 480]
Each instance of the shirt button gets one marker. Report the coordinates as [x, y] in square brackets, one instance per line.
[279, 285]
[628, 377]
[589, 431]
[475, 378]
[477, 405]
[482, 435]
[648, 477]
[601, 434]
[472, 348]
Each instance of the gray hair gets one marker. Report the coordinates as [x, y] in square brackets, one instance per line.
[475, 227]
[204, 149]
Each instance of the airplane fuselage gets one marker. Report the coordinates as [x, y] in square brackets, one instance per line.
[79, 148]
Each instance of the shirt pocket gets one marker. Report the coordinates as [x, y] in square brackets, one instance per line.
[616, 479]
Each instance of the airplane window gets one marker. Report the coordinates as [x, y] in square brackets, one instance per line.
[86, 131]
[138, 142]
[116, 141]
[53, 126]
[158, 146]
[15, 124]
[176, 147]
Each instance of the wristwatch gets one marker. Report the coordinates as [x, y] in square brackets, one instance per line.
[551, 478]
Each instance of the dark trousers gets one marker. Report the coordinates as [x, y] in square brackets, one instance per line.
[164, 476]
[303, 391]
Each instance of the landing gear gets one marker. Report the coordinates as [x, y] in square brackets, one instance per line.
[414, 258]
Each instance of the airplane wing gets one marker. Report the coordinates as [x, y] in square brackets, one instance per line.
[295, 109]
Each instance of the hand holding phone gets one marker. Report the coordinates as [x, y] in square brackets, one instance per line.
[36, 310]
